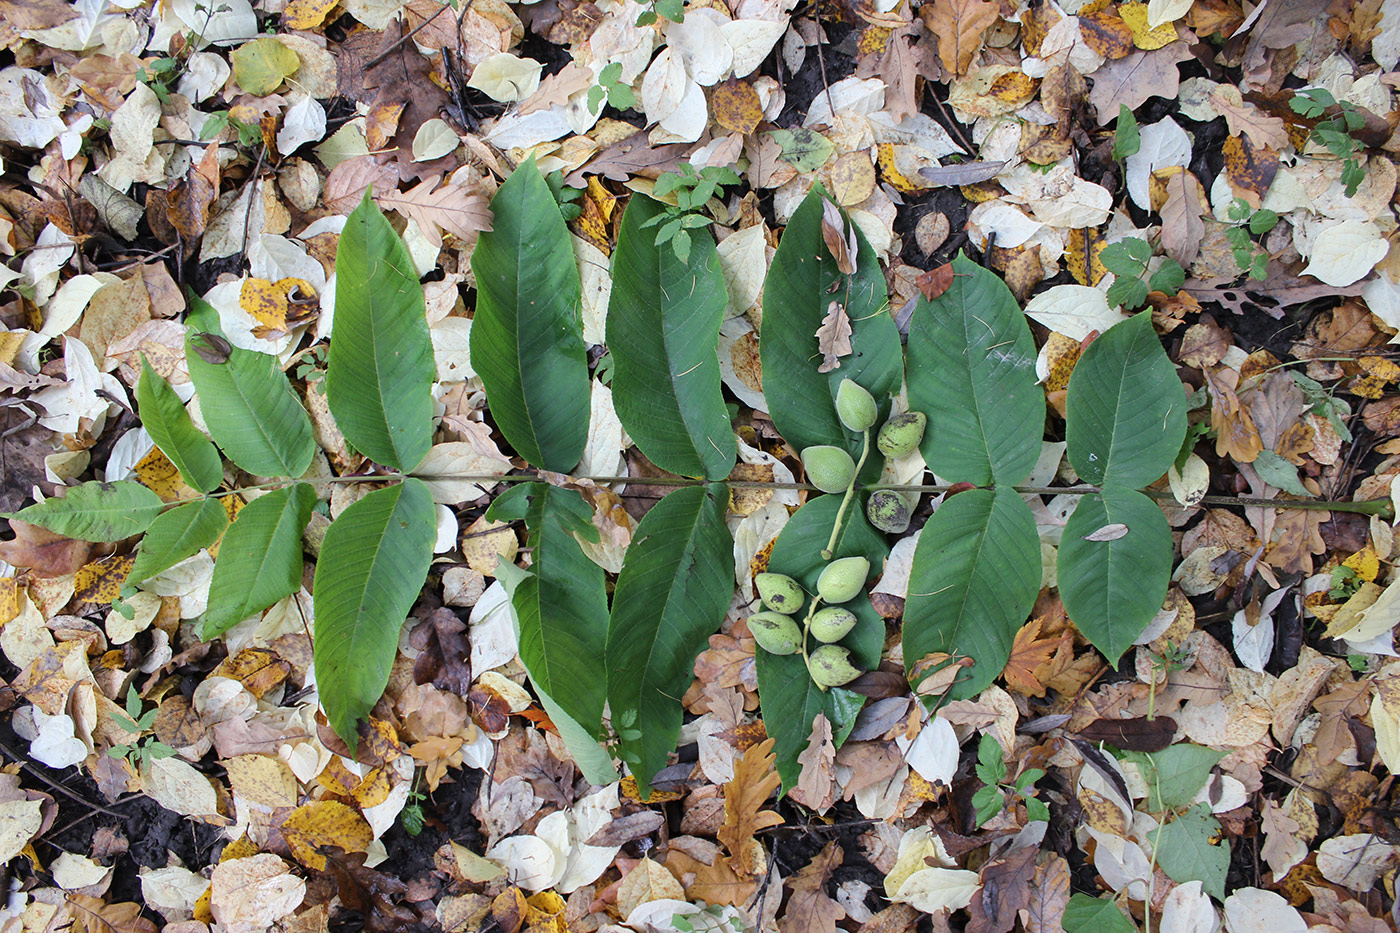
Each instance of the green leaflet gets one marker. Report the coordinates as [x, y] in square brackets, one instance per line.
[380, 370]
[790, 701]
[562, 608]
[176, 535]
[247, 402]
[1126, 409]
[95, 511]
[975, 577]
[527, 334]
[671, 596]
[1112, 588]
[1185, 852]
[796, 297]
[260, 560]
[373, 563]
[972, 372]
[663, 330]
[165, 419]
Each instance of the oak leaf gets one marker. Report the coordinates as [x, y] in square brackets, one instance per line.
[455, 209]
[834, 337]
[816, 785]
[753, 782]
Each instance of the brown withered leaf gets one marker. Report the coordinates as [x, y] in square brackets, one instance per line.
[1236, 435]
[959, 25]
[633, 156]
[456, 209]
[47, 553]
[1133, 735]
[1049, 897]
[753, 783]
[188, 202]
[809, 909]
[402, 73]
[346, 184]
[1005, 891]
[935, 281]
[1106, 33]
[816, 784]
[1250, 168]
[557, 88]
[36, 14]
[445, 657]
[1297, 539]
[1131, 80]
[1263, 129]
[839, 243]
[834, 337]
[1028, 652]
[1182, 205]
[378, 897]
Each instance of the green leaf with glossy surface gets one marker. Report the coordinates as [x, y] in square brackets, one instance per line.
[972, 372]
[672, 594]
[789, 699]
[527, 333]
[380, 371]
[372, 565]
[1185, 852]
[562, 608]
[247, 402]
[975, 576]
[796, 298]
[176, 535]
[95, 511]
[663, 331]
[1112, 588]
[164, 417]
[1126, 409]
[260, 560]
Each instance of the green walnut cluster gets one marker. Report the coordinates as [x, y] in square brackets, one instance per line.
[778, 632]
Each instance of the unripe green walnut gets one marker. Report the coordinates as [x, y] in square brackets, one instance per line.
[842, 579]
[830, 666]
[888, 511]
[855, 406]
[901, 434]
[775, 632]
[831, 624]
[830, 469]
[779, 592]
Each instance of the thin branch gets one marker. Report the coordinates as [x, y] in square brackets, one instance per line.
[373, 62]
[26, 764]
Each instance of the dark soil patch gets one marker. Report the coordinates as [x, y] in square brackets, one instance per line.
[448, 817]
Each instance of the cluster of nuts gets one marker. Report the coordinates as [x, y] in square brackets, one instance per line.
[832, 470]
[777, 632]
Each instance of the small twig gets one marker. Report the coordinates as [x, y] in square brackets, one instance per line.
[248, 215]
[26, 764]
[952, 124]
[370, 65]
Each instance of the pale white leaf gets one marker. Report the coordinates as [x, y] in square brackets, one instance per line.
[1188, 909]
[72, 871]
[19, 821]
[445, 467]
[251, 894]
[1166, 11]
[701, 45]
[751, 41]
[1009, 224]
[304, 122]
[1355, 861]
[934, 752]
[934, 889]
[1346, 252]
[1164, 144]
[502, 77]
[1075, 311]
[176, 785]
[1253, 910]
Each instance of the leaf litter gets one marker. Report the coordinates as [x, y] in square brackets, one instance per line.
[1258, 719]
